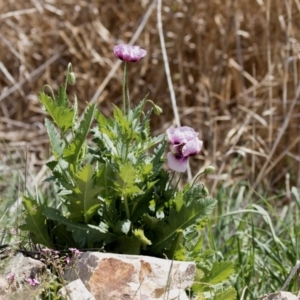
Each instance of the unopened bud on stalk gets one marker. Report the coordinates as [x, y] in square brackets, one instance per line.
[157, 110]
[209, 170]
[71, 78]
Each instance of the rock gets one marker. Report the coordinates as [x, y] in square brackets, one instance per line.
[24, 267]
[280, 296]
[115, 276]
[3, 286]
[75, 290]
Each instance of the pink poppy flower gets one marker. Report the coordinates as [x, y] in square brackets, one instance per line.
[129, 53]
[185, 143]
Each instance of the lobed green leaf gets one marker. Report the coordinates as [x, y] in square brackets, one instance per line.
[35, 222]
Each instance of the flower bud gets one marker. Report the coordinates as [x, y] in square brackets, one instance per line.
[157, 109]
[71, 78]
[209, 170]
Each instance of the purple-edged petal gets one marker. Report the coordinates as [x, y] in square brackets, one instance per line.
[192, 147]
[177, 164]
[129, 53]
[181, 135]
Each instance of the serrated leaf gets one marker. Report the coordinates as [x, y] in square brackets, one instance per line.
[126, 181]
[83, 203]
[102, 121]
[158, 154]
[61, 115]
[57, 144]
[63, 238]
[71, 154]
[35, 222]
[140, 235]
[136, 111]
[178, 201]
[84, 234]
[221, 271]
[61, 98]
[176, 244]
[150, 222]
[106, 141]
[147, 169]
[122, 121]
[105, 177]
[192, 214]
[228, 294]
[181, 253]
[199, 274]
[61, 173]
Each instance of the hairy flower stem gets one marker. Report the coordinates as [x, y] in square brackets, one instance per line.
[126, 101]
[69, 71]
[175, 188]
[125, 91]
[170, 181]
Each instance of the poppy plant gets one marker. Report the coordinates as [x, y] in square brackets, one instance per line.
[185, 143]
[129, 53]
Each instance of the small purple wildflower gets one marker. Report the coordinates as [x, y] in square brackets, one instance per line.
[68, 259]
[32, 281]
[47, 250]
[129, 53]
[185, 144]
[75, 251]
[10, 278]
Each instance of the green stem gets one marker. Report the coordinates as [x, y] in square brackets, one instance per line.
[180, 176]
[124, 88]
[126, 207]
[196, 178]
[170, 181]
[68, 72]
[125, 91]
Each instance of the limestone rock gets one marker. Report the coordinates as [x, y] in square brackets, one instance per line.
[76, 290]
[115, 276]
[3, 287]
[24, 267]
[281, 296]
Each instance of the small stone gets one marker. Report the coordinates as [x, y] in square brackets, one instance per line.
[76, 290]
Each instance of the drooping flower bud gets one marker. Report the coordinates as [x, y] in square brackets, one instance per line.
[209, 170]
[71, 78]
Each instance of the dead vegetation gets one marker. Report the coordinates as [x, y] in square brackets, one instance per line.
[234, 65]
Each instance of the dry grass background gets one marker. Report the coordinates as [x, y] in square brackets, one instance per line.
[234, 64]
